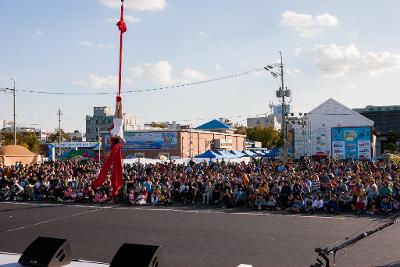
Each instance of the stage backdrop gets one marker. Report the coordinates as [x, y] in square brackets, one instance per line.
[351, 142]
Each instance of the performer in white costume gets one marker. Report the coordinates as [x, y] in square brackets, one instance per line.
[118, 123]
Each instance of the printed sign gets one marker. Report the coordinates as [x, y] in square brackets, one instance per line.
[223, 143]
[352, 143]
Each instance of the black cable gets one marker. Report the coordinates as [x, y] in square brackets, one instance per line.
[152, 89]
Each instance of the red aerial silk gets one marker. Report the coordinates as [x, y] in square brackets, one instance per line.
[114, 160]
[122, 28]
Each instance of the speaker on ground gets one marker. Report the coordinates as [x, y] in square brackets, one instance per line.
[137, 255]
[46, 252]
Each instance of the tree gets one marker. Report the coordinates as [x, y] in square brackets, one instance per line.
[241, 130]
[267, 135]
[390, 144]
[28, 140]
[158, 125]
[390, 147]
[53, 137]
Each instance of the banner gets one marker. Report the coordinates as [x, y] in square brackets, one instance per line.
[351, 142]
[76, 144]
[147, 140]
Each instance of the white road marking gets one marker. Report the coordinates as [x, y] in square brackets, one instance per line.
[147, 208]
[49, 221]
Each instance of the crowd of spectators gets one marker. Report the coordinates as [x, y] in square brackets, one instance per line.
[297, 186]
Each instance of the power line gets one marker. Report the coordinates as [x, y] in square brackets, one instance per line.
[268, 68]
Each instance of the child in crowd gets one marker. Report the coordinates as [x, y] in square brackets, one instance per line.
[142, 198]
[318, 203]
[131, 196]
[386, 205]
[361, 204]
[297, 205]
[308, 204]
[271, 203]
[260, 202]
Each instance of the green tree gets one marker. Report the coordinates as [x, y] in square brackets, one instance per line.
[241, 130]
[28, 140]
[158, 125]
[390, 147]
[53, 137]
[267, 135]
[390, 144]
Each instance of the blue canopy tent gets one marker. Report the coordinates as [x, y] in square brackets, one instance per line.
[238, 154]
[258, 152]
[225, 154]
[209, 155]
[250, 153]
[273, 153]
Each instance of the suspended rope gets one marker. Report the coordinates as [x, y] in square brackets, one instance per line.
[237, 75]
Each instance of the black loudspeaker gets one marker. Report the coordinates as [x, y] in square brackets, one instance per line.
[47, 252]
[137, 255]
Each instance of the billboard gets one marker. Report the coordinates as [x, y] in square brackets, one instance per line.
[301, 140]
[147, 140]
[351, 142]
[319, 142]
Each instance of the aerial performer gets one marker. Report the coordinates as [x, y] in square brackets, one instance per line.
[114, 159]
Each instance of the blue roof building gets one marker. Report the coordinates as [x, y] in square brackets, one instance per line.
[215, 126]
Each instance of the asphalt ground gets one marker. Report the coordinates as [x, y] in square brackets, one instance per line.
[197, 237]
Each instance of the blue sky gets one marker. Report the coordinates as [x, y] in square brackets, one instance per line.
[348, 50]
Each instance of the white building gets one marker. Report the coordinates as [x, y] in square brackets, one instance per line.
[352, 133]
[77, 136]
[266, 121]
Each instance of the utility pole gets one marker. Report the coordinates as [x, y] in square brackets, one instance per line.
[283, 103]
[14, 123]
[59, 131]
[281, 94]
[99, 138]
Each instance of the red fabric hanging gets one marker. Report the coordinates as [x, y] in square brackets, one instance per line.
[114, 160]
[122, 28]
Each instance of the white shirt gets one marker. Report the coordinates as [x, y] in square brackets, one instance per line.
[318, 203]
[117, 131]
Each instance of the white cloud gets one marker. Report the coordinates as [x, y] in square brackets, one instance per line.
[307, 25]
[218, 67]
[191, 75]
[98, 82]
[127, 18]
[162, 73]
[299, 50]
[338, 60]
[188, 43]
[95, 45]
[139, 5]
[202, 34]
[38, 34]
[293, 71]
